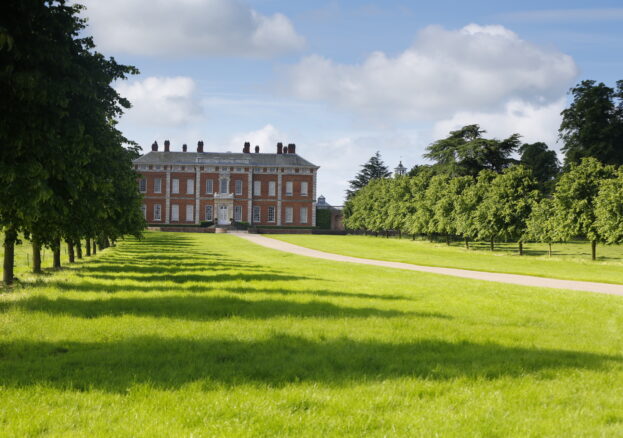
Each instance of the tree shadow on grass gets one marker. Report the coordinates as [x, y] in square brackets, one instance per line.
[317, 292]
[165, 283]
[204, 308]
[170, 363]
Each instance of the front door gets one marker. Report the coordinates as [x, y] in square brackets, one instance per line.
[223, 218]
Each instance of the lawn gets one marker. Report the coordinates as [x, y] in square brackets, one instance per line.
[208, 335]
[569, 261]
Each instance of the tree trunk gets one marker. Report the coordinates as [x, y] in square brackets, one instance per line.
[79, 248]
[94, 248]
[520, 248]
[400, 234]
[36, 256]
[87, 243]
[492, 245]
[594, 249]
[56, 251]
[550, 249]
[70, 251]
[10, 236]
[466, 243]
[448, 239]
[413, 237]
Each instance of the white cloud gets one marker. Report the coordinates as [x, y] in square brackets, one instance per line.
[534, 123]
[266, 138]
[161, 101]
[189, 27]
[476, 68]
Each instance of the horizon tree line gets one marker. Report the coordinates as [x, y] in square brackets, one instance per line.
[476, 189]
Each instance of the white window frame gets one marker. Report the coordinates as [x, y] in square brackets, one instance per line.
[289, 215]
[223, 185]
[303, 215]
[190, 213]
[144, 211]
[238, 187]
[271, 214]
[157, 185]
[257, 214]
[142, 185]
[289, 188]
[175, 213]
[272, 188]
[175, 185]
[238, 213]
[257, 188]
[157, 212]
[209, 186]
[209, 213]
[190, 186]
[304, 188]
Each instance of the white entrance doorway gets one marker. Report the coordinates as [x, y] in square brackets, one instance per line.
[223, 217]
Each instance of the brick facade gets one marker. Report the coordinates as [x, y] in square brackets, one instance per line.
[287, 185]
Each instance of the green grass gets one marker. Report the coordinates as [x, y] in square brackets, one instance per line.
[208, 335]
[570, 261]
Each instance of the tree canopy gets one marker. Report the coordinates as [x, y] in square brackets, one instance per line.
[64, 170]
[374, 168]
[592, 126]
[543, 163]
[467, 152]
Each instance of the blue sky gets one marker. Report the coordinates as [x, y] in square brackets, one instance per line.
[342, 79]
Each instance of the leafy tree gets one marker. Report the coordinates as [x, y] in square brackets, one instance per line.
[466, 205]
[574, 201]
[400, 204]
[374, 168]
[592, 126]
[541, 225]
[609, 209]
[507, 205]
[466, 152]
[542, 162]
[59, 127]
[418, 221]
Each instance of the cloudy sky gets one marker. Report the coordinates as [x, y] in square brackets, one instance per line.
[343, 79]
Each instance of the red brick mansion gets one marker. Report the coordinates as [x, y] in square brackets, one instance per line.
[276, 189]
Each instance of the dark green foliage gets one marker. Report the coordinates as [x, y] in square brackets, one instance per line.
[593, 125]
[466, 152]
[542, 162]
[63, 170]
[323, 218]
[374, 168]
[206, 224]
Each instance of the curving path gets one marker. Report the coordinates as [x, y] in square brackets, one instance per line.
[524, 280]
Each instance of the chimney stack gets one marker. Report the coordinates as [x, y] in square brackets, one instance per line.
[257, 149]
[200, 146]
[246, 149]
[154, 146]
[167, 143]
[285, 150]
[280, 148]
[184, 147]
[292, 148]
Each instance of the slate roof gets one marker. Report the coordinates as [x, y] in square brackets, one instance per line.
[225, 158]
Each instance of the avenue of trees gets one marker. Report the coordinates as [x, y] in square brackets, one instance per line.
[500, 190]
[65, 173]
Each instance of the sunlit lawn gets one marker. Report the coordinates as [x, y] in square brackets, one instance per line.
[209, 335]
[571, 261]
